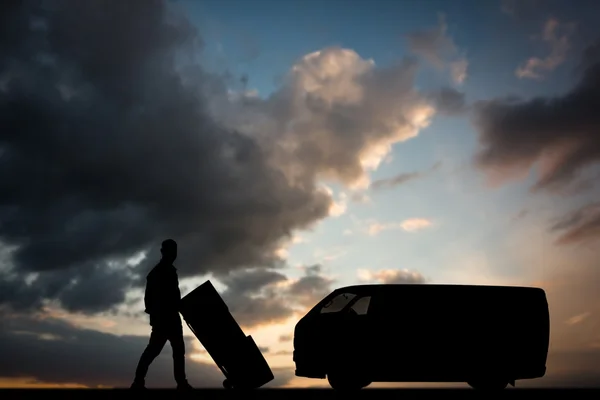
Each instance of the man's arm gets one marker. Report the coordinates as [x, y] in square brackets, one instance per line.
[176, 293]
[150, 296]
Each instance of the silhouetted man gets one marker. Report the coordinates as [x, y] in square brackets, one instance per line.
[162, 300]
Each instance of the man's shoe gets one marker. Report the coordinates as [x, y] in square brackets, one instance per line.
[137, 385]
[184, 386]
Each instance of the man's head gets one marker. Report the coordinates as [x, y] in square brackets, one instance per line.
[169, 250]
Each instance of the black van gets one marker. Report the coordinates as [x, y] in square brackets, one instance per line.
[487, 336]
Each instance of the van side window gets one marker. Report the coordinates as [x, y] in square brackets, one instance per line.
[362, 305]
[338, 303]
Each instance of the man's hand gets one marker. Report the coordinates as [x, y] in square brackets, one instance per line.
[162, 318]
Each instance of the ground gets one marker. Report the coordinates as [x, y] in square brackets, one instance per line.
[312, 394]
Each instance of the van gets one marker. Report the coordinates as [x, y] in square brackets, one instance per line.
[486, 336]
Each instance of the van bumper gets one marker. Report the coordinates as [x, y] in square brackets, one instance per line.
[308, 367]
[531, 373]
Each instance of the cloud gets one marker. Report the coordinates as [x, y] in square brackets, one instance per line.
[570, 277]
[118, 155]
[408, 225]
[439, 49]
[577, 319]
[521, 9]
[573, 297]
[256, 297]
[396, 180]
[449, 101]
[283, 353]
[250, 305]
[282, 251]
[458, 70]
[134, 157]
[29, 345]
[402, 178]
[522, 214]
[415, 224]
[391, 276]
[579, 226]
[360, 198]
[338, 207]
[334, 118]
[286, 338]
[260, 297]
[309, 289]
[559, 44]
[330, 254]
[559, 133]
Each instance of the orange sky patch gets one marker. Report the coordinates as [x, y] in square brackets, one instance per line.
[32, 383]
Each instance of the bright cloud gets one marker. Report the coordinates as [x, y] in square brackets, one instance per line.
[390, 276]
[415, 224]
[336, 116]
[338, 206]
[409, 225]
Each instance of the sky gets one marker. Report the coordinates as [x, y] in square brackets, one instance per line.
[290, 148]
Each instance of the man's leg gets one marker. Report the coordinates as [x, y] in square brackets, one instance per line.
[178, 346]
[158, 338]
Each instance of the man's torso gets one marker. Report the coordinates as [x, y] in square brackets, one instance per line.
[162, 295]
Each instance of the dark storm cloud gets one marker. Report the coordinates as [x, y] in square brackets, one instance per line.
[252, 280]
[562, 132]
[258, 297]
[91, 289]
[105, 150]
[51, 350]
[311, 288]
[522, 9]
[247, 301]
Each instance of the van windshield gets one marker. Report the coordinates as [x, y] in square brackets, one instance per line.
[337, 303]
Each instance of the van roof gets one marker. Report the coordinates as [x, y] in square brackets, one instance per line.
[385, 287]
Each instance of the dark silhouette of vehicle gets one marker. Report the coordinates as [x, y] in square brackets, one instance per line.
[487, 336]
[236, 354]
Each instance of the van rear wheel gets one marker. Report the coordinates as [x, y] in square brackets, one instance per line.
[346, 382]
[488, 384]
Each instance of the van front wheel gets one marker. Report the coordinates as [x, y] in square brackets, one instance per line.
[488, 385]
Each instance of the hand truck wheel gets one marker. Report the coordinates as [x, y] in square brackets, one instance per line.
[227, 384]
